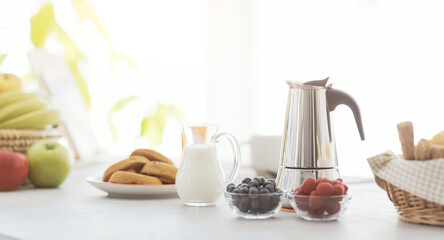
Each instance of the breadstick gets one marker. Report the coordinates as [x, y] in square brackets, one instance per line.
[405, 132]
[436, 151]
[422, 150]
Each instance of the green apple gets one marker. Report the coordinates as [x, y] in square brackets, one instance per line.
[49, 163]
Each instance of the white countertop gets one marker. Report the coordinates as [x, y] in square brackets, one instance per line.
[77, 210]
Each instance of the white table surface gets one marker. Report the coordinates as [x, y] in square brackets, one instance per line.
[77, 210]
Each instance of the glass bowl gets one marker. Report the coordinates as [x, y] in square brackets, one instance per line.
[259, 206]
[319, 208]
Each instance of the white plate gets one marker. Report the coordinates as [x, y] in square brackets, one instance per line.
[132, 190]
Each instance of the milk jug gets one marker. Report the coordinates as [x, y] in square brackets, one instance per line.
[200, 180]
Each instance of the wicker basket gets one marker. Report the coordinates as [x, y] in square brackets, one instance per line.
[21, 140]
[411, 208]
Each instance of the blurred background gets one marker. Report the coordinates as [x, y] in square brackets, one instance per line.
[143, 67]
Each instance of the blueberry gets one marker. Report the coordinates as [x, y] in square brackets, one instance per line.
[270, 187]
[254, 210]
[244, 206]
[243, 190]
[264, 191]
[235, 196]
[264, 207]
[272, 206]
[264, 195]
[276, 199]
[246, 180]
[254, 206]
[253, 183]
[230, 187]
[245, 199]
[253, 192]
[272, 182]
[262, 180]
[278, 190]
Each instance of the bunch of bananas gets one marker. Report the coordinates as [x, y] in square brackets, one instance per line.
[20, 110]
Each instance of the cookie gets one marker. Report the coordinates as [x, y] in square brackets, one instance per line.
[405, 132]
[167, 180]
[152, 155]
[133, 178]
[422, 150]
[135, 162]
[166, 172]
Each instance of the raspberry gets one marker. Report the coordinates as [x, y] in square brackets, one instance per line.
[315, 201]
[324, 189]
[301, 201]
[298, 191]
[316, 212]
[340, 180]
[345, 189]
[338, 190]
[321, 180]
[336, 182]
[308, 186]
[332, 207]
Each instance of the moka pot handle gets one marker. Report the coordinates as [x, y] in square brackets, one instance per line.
[337, 97]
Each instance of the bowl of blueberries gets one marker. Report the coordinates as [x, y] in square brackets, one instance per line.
[255, 198]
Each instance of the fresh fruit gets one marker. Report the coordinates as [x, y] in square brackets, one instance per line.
[324, 189]
[323, 196]
[315, 201]
[321, 180]
[15, 96]
[301, 202]
[338, 190]
[20, 110]
[9, 82]
[316, 212]
[49, 163]
[308, 185]
[13, 170]
[22, 107]
[255, 195]
[39, 119]
[332, 207]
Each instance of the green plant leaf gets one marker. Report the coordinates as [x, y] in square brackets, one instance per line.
[2, 58]
[43, 24]
[116, 107]
[154, 125]
[85, 11]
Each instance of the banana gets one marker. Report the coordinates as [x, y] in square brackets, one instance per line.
[38, 119]
[15, 96]
[16, 109]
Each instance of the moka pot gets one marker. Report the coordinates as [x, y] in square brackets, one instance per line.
[308, 142]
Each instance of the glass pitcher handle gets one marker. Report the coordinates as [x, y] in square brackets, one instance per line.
[237, 157]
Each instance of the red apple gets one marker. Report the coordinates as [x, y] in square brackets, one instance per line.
[13, 170]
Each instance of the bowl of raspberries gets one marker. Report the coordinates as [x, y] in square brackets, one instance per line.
[320, 200]
[255, 198]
